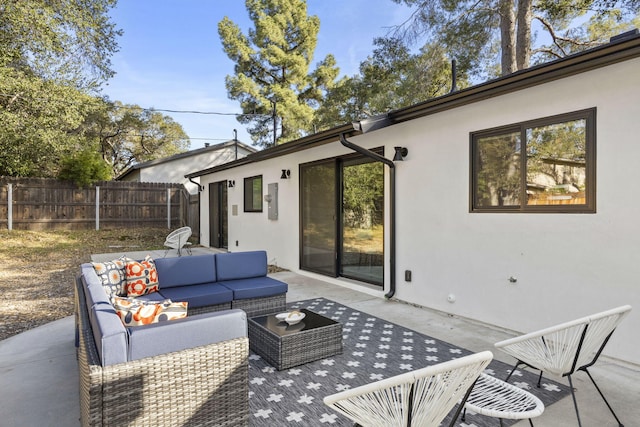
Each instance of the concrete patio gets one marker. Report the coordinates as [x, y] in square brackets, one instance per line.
[39, 378]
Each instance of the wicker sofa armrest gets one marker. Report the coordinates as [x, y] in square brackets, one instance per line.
[204, 386]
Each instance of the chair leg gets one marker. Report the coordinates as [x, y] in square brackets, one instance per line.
[512, 371]
[540, 379]
[603, 398]
[575, 402]
[461, 407]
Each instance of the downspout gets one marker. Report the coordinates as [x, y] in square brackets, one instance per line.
[200, 189]
[197, 184]
[392, 214]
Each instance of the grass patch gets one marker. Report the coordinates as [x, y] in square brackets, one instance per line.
[37, 269]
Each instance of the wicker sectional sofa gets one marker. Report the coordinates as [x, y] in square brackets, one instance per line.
[184, 372]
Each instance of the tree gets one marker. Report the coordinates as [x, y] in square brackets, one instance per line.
[54, 54]
[39, 122]
[129, 134]
[65, 41]
[272, 81]
[84, 168]
[391, 78]
[471, 30]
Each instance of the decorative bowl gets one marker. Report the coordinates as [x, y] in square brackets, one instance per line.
[292, 317]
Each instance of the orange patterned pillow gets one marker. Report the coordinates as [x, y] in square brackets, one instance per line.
[133, 312]
[142, 277]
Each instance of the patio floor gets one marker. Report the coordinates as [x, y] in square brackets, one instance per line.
[39, 379]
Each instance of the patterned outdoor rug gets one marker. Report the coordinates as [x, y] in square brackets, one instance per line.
[373, 349]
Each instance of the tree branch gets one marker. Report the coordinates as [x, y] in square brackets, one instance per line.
[557, 38]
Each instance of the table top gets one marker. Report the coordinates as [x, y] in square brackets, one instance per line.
[495, 398]
[311, 321]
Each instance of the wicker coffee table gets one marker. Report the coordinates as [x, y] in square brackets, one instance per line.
[283, 346]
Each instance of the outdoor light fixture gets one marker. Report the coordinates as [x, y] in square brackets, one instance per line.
[401, 153]
[232, 183]
[286, 174]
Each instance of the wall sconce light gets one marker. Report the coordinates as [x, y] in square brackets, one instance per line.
[401, 153]
[232, 183]
[286, 174]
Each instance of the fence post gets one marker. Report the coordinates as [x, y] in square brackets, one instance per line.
[169, 208]
[97, 207]
[10, 206]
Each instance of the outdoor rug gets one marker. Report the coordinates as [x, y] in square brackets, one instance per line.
[373, 349]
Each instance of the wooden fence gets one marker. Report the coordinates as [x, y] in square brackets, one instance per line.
[40, 204]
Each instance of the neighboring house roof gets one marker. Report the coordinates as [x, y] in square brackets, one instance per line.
[196, 152]
[620, 49]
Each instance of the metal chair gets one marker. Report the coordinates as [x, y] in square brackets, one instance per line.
[566, 348]
[422, 397]
[178, 239]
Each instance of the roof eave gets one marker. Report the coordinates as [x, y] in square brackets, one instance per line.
[578, 63]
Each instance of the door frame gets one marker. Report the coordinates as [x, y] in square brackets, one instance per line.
[218, 215]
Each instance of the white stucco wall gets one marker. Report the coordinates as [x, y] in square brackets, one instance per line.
[566, 265]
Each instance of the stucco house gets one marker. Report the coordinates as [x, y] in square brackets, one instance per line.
[511, 202]
[174, 168]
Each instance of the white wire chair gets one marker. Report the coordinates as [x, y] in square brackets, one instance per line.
[566, 348]
[422, 397]
[178, 239]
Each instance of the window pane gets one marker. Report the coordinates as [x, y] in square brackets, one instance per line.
[556, 164]
[318, 199]
[253, 194]
[257, 193]
[498, 170]
[363, 221]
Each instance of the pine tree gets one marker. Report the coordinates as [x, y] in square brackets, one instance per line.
[272, 80]
[474, 31]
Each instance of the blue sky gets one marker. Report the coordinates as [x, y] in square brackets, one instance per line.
[171, 57]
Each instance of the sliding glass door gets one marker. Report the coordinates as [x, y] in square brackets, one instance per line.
[318, 217]
[362, 225]
[342, 218]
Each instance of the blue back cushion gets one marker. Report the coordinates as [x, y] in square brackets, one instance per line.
[193, 331]
[200, 295]
[186, 270]
[241, 265]
[107, 328]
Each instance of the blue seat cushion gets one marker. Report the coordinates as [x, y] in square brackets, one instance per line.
[241, 265]
[186, 270]
[256, 287]
[200, 295]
